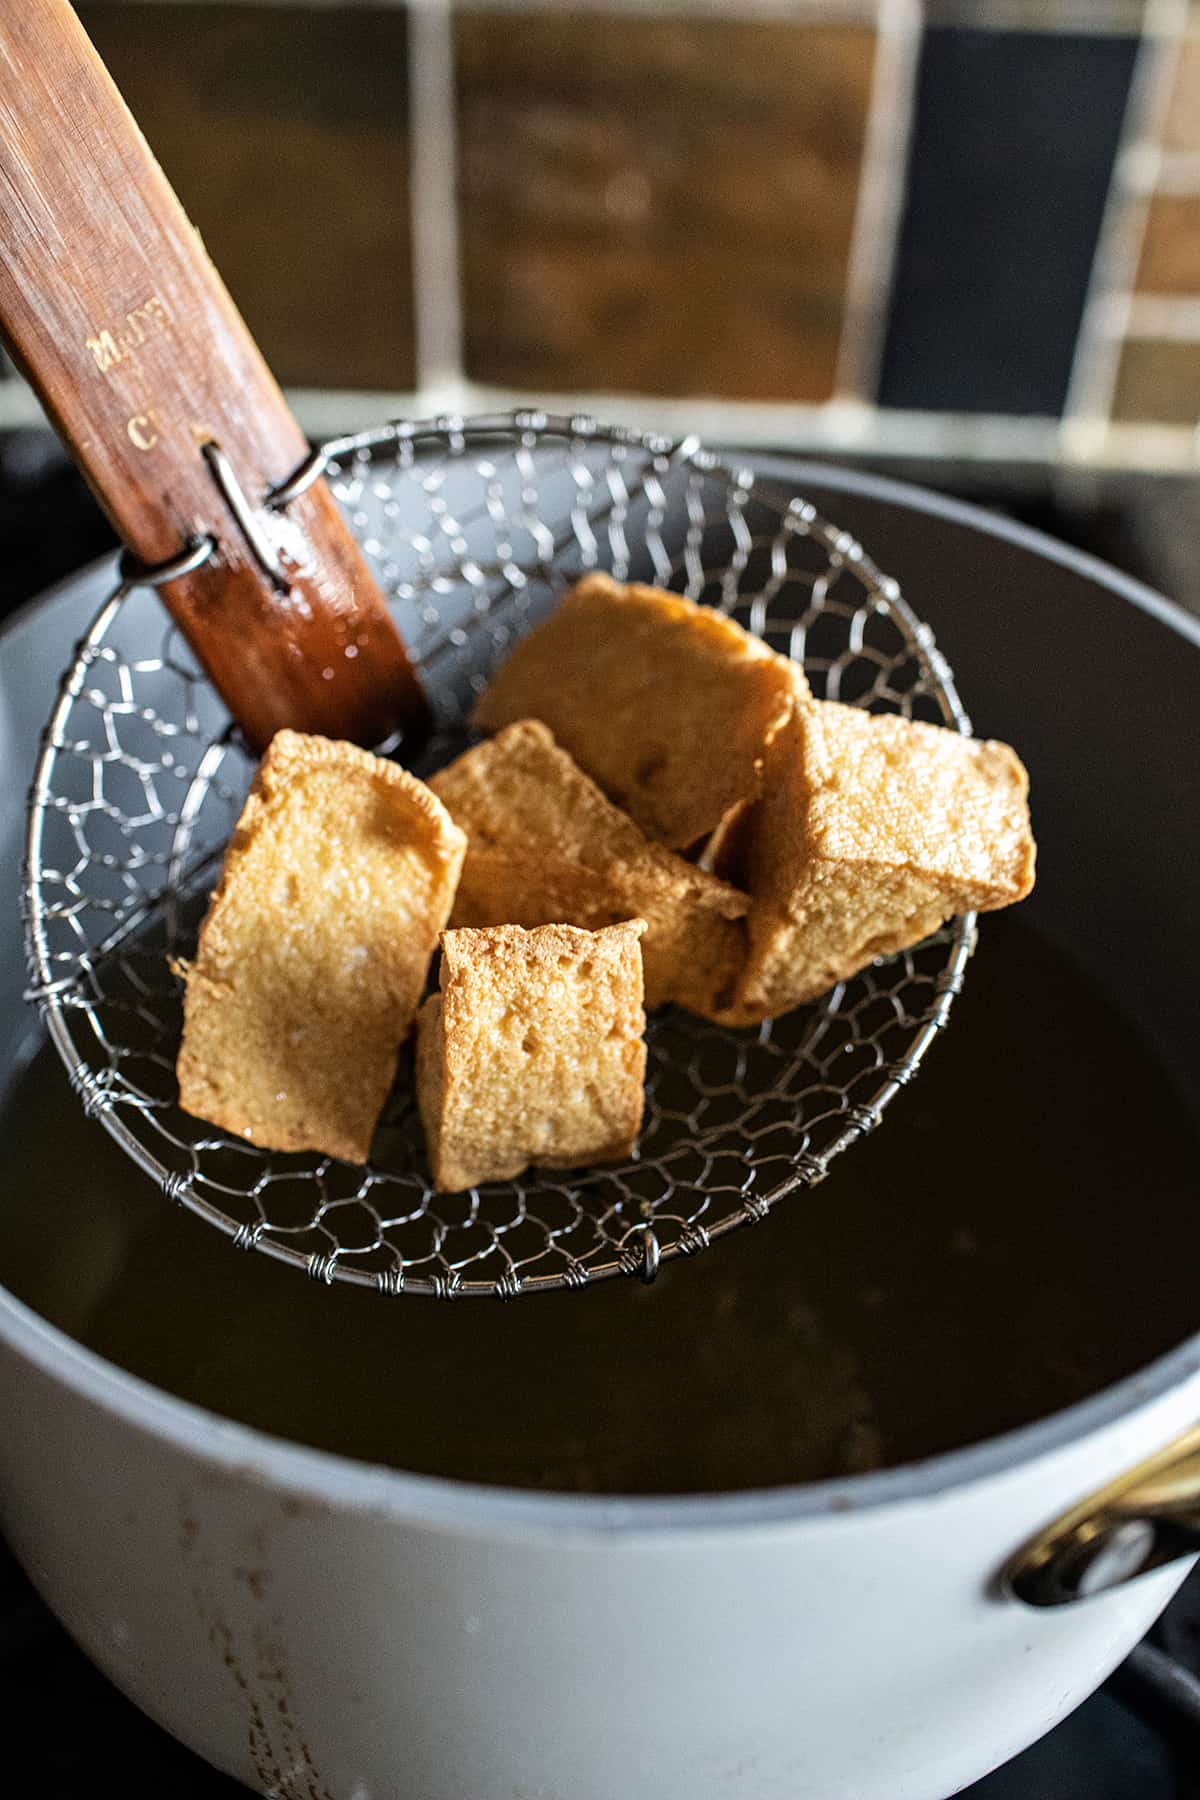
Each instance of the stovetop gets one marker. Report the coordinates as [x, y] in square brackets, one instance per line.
[1137, 1739]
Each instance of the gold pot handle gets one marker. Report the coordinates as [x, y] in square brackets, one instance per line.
[1145, 1518]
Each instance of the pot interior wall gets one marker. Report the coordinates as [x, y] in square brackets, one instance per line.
[1017, 1235]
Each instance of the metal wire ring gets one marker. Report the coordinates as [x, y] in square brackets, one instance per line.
[193, 556]
[306, 476]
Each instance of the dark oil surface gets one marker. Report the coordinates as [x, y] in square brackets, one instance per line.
[1021, 1231]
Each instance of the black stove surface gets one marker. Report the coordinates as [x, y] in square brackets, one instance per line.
[1137, 1739]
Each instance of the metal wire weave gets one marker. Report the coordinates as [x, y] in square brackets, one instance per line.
[475, 528]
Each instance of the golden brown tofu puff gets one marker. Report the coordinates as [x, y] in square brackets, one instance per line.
[545, 847]
[669, 706]
[315, 949]
[871, 831]
[533, 1053]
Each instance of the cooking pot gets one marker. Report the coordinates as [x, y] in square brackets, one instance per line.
[320, 1627]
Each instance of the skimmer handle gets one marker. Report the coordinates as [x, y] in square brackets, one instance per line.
[137, 352]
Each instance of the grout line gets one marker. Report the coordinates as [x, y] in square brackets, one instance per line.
[1137, 167]
[1118, 247]
[838, 425]
[836, 428]
[882, 190]
[1169, 318]
[1149, 169]
[839, 429]
[1178, 172]
[433, 202]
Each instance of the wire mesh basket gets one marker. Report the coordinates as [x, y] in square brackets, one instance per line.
[475, 529]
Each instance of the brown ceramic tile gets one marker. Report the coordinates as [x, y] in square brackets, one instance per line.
[1170, 260]
[1158, 383]
[1182, 128]
[658, 205]
[284, 131]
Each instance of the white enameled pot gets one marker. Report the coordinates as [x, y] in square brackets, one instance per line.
[318, 1627]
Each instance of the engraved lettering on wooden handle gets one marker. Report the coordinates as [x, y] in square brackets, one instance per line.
[139, 355]
[116, 344]
[141, 431]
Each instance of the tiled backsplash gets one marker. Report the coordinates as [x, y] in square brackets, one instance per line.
[285, 132]
[1013, 148]
[663, 206]
[969, 225]
[1181, 127]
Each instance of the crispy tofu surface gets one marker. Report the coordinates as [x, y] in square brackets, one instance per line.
[315, 949]
[871, 832]
[533, 1052]
[545, 846]
[668, 705]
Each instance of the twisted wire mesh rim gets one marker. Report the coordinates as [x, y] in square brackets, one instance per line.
[638, 1250]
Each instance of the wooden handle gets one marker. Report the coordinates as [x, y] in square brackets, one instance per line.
[141, 359]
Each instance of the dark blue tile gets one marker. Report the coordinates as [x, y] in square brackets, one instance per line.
[1013, 146]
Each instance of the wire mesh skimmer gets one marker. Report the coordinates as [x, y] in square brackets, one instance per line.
[475, 529]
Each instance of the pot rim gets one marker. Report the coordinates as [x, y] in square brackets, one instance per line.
[339, 1481]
